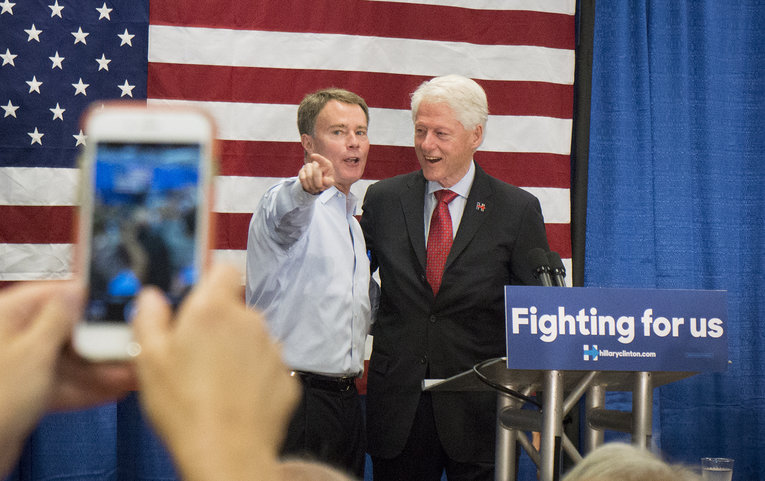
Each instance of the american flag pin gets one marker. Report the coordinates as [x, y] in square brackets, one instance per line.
[480, 206]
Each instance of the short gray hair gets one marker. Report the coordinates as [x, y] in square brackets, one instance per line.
[624, 462]
[463, 95]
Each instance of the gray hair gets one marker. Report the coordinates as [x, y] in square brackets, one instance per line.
[463, 95]
[624, 462]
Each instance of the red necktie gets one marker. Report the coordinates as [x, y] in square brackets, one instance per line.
[439, 239]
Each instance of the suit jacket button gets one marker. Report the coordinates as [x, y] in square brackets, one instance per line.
[432, 318]
[423, 359]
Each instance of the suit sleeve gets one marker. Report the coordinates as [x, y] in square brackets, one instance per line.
[531, 234]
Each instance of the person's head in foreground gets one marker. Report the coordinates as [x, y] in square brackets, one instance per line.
[624, 462]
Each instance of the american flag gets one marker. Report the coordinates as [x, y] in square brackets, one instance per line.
[250, 64]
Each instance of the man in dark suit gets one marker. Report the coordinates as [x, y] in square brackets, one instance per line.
[436, 322]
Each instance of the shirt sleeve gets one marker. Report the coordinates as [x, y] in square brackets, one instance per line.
[286, 211]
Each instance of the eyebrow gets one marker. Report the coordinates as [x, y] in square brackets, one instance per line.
[433, 127]
[345, 126]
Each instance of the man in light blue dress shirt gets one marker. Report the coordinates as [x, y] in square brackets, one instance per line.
[308, 271]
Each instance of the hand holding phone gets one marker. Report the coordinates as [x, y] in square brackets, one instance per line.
[144, 216]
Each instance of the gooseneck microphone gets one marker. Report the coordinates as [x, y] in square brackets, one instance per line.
[540, 265]
[558, 270]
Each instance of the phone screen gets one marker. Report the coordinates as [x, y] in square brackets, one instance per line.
[145, 203]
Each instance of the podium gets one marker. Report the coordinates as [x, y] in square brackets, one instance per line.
[560, 392]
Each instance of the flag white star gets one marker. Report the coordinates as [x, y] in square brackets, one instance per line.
[103, 63]
[79, 88]
[126, 88]
[56, 10]
[10, 110]
[80, 138]
[8, 57]
[103, 12]
[79, 36]
[7, 7]
[126, 38]
[58, 112]
[57, 61]
[36, 137]
[33, 34]
[34, 85]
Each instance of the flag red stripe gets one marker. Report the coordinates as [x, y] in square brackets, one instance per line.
[559, 239]
[283, 159]
[231, 233]
[230, 228]
[528, 169]
[36, 224]
[381, 90]
[396, 20]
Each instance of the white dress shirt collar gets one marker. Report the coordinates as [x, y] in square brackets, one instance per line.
[462, 188]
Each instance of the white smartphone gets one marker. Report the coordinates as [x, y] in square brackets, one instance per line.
[144, 216]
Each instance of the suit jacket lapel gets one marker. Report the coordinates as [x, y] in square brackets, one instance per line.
[476, 207]
[413, 206]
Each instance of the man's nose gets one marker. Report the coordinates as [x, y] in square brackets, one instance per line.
[353, 140]
[428, 142]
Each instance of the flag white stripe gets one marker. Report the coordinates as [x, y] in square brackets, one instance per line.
[27, 262]
[277, 123]
[51, 261]
[554, 202]
[40, 186]
[20, 262]
[231, 256]
[567, 7]
[242, 194]
[234, 194]
[286, 50]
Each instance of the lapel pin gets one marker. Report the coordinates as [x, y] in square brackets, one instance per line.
[480, 206]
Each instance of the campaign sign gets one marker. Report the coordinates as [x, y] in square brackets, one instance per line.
[605, 329]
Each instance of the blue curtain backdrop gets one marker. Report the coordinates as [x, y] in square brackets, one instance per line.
[108, 443]
[676, 196]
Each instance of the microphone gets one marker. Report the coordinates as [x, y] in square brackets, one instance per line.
[557, 268]
[538, 259]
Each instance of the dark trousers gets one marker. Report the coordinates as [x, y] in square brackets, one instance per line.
[328, 426]
[424, 458]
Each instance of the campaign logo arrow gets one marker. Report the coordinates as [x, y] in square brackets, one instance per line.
[590, 352]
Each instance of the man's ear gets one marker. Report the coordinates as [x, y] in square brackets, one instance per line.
[477, 136]
[307, 142]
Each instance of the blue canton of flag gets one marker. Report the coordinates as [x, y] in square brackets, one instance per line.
[56, 58]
